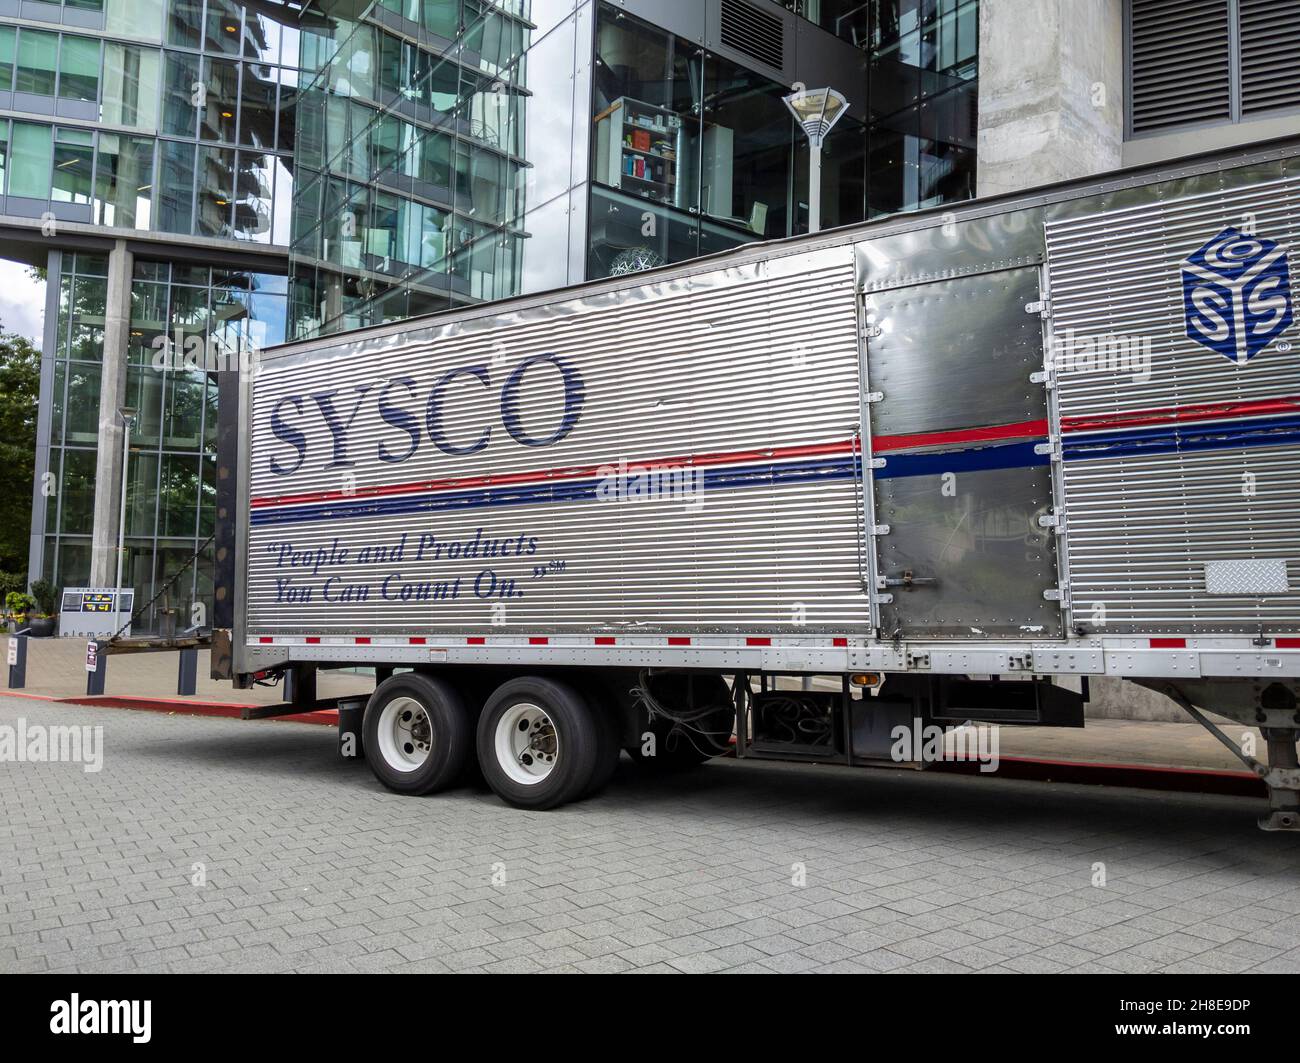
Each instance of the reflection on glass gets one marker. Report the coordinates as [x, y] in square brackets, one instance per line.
[123, 181]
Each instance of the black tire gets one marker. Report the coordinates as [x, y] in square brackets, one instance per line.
[450, 734]
[610, 737]
[681, 747]
[574, 727]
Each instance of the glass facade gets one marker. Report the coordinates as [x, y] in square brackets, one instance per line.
[137, 117]
[207, 108]
[456, 150]
[924, 61]
[185, 320]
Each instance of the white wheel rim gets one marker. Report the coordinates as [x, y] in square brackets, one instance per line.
[526, 744]
[405, 734]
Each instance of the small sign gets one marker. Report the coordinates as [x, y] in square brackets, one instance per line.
[13, 650]
[92, 656]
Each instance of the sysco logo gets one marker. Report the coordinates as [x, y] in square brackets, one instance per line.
[416, 416]
[1237, 294]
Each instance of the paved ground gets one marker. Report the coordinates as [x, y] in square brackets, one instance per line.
[311, 865]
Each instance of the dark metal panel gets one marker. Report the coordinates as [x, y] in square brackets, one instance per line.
[977, 537]
[956, 354]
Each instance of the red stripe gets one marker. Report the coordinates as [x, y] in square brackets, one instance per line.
[416, 641]
[1168, 644]
[475, 640]
[362, 640]
[883, 444]
[573, 472]
[841, 642]
[265, 639]
[677, 640]
[538, 640]
[1288, 644]
[1204, 411]
[312, 640]
[758, 642]
[605, 640]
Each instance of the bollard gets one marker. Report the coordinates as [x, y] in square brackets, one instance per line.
[187, 672]
[17, 662]
[96, 667]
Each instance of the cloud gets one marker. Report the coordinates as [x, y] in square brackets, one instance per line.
[22, 302]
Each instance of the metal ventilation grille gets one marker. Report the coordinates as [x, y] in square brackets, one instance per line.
[1180, 58]
[1270, 55]
[757, 34]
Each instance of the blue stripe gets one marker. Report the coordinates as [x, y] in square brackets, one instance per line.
[1008, 456]
[539, 494]
[1267, 432]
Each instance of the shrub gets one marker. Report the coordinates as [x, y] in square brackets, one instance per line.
[46, 596]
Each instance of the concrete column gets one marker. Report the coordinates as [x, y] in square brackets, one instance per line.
[112, 394]
[1051, 92]
[44, 419]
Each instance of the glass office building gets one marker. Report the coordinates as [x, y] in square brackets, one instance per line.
[152, 138]
[213, 176]
[456, 150]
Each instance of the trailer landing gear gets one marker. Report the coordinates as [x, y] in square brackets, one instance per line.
[1270, 706]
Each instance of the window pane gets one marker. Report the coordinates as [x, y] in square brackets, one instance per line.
[224, 18]
[72, 165]
[183, 89]
[175, 186]
[33, 147]
[130, 86]
[216, 189]
[36, 52]
[222, 80]
[257, 107]
[7, 34]
[4, 152]
[256, 175]
[79, 68]
[184, 22]
[124, 181]
[140, 20]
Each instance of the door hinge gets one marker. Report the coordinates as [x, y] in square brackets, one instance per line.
[1052, 448]
[880, 529]
[875, 396]
[1038, 306]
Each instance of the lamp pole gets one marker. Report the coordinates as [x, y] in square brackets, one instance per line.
[127, 414]
[816, 111]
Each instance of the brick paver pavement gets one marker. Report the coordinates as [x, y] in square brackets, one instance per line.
[305, 863]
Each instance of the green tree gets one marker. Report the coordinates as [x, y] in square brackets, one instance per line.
[20, 386]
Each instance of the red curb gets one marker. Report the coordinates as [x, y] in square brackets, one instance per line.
[230, 710]
[34, 697]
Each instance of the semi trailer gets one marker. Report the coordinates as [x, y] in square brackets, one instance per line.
[792, 500]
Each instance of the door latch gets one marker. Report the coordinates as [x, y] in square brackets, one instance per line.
[908, 580]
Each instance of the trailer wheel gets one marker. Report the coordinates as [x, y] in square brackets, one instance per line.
[538, 742]
[416, 734]
[609, 735]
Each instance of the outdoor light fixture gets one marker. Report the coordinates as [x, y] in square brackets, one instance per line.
[128, 415]
[816, 111]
